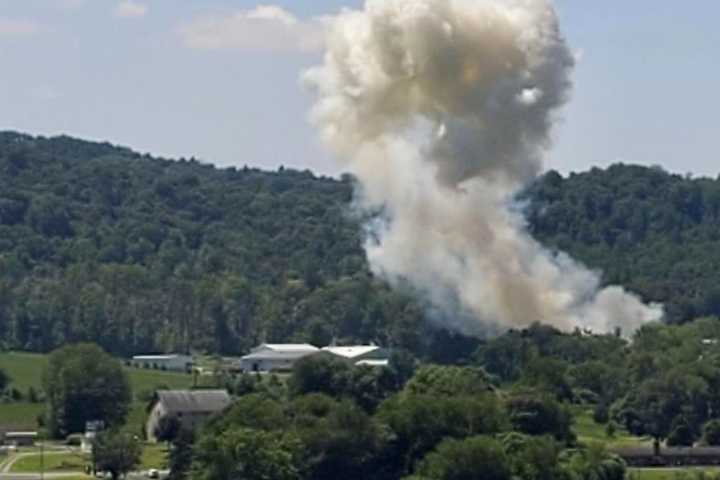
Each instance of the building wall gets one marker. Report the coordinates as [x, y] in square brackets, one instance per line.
[188, 420]
[176, 364]
[267, 364]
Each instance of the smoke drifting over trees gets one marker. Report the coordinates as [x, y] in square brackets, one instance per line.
[443, 110]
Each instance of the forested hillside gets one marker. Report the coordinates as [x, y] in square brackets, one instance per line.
[145, 254]
[655, 233]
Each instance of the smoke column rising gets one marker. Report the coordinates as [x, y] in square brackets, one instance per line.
[443, 109]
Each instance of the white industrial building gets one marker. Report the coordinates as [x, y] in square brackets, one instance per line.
[370, 355]
[270, 357]
[171, 362]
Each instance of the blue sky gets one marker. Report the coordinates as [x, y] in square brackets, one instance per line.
[205, 78]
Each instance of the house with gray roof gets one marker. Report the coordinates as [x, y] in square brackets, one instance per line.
[190, 407]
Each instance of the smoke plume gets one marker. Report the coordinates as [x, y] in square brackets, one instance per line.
[443, 110]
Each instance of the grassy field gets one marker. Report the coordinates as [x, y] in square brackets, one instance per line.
[25, 370]
[154, 456]
[589, 431]
[687, 473]
[52, 462]
[20, 415]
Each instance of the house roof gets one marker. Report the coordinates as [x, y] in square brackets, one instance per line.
[374, 363]
[351, 351]
[277, 355]
[286, 347]
[160, 357]
[194, 401]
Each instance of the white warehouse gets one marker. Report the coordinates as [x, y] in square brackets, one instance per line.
[270, 357]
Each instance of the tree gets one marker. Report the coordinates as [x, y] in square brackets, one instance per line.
[248, 454]
[419, 422]
[83, 383]
[681, 433]
[115, 452]
[536, 413]
[476, 457]
[321, 373]
[4, 380]
[711, 432]
[341, 440]
[181, 454]
[168, 428]
[440, 380]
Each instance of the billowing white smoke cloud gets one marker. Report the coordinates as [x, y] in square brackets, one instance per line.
[443, 111]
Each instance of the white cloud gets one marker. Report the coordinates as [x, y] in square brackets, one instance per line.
[264, 28]
[10, 27]
[130, 9]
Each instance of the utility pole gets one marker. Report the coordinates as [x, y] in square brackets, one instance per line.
[42, 459]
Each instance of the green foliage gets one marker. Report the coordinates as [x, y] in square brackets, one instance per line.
[438, 380]
[535, 413]
[117, 453]
[466, 459]
[711, 432]
[595, 463]
[83, 383]
[4, 380]
[181, 454]
[333, 376]
[648, 230]
[248, 454]
[141, 254]
[420, 422]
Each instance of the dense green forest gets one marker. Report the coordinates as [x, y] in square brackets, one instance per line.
[143, 254]
[655, 233]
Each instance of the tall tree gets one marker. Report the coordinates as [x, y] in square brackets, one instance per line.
[83, 383]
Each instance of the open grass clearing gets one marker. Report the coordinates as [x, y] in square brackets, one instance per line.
[588, 430]
[50, 462]
[680, 473]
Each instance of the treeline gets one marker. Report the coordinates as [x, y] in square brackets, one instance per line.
[142, 254]
[656, 233]
[335, 420]
[665, 384]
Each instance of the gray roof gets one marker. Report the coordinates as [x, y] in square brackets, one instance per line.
[194, 401]
[273, 355]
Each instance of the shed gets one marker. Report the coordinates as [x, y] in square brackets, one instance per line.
[190, 407]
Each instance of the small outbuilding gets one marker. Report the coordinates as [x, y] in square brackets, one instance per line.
[190, 407]
[171, 362]
[270, 357]
[20, 439]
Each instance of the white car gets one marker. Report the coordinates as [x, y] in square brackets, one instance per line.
[153, 473]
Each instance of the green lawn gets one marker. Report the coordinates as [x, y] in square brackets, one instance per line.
[52, 462]
[589, 431]
[20, 415]
[154, 456]
[25, 370]
[689, 473]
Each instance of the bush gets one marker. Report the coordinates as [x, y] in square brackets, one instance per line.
[681, 434]
[601, 414]
[711, 432]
